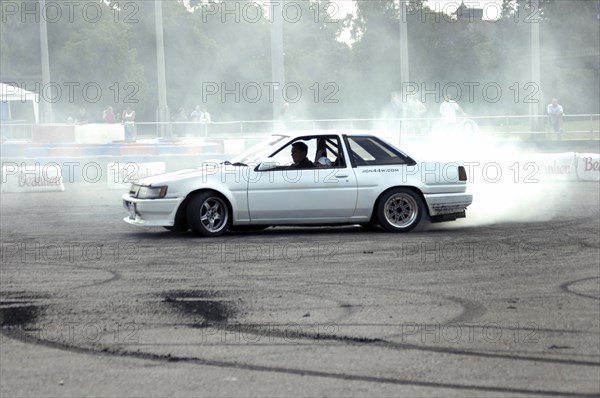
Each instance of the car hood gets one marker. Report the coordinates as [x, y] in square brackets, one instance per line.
[205, 171]
[174, 176]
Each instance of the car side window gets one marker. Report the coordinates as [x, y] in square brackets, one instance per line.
[329, 153]
[283, 156]
[370, 151]
[323, 151]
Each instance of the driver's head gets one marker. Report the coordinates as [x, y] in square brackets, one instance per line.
[299, 151]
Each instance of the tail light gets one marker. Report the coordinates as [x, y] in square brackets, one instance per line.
[462, 173]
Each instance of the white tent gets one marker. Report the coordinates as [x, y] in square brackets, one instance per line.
[9, 94]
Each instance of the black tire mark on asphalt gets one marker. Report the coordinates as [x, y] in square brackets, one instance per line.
[115, 277]
[470, 309]
[566, 287]
[464, 315]
[290, 371]
[394, 345]
[347, 308]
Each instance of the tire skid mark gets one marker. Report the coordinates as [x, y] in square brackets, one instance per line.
[566, 287]
[115, 277]
[347, 308]
[472, 304]
[11, 332]
[287, 334]
[288, 370]
[471, 309]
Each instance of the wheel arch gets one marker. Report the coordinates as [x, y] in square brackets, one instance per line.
[182, 209]
[409, 187]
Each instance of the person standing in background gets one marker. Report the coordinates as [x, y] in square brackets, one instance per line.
[555, 113]
[129, 121]
[109, 115]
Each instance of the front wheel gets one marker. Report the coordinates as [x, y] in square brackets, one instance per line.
[400, 210]
[208, 214]
[179, 226]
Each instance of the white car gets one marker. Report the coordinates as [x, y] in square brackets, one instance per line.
[364, 180]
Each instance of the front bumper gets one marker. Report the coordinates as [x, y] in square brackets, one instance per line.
[151, 212]
[448, 203]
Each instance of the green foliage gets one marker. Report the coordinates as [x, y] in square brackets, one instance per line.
[207, 46]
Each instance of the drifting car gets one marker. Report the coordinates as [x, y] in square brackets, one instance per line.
[364, 180]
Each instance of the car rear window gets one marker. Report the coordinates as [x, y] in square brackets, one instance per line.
[372, 151]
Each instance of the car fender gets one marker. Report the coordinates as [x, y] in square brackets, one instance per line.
[235, 194]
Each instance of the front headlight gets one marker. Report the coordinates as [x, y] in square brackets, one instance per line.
[152, 192]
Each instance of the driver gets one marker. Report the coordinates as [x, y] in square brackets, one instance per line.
[299, 151]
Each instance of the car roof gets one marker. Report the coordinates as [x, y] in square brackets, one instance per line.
[318, 132]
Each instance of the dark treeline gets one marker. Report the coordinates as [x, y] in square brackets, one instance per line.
[218, 56]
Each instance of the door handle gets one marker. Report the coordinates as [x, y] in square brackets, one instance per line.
[341, 175]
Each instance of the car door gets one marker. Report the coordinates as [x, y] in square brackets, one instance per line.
[378, 166]
[303, 196]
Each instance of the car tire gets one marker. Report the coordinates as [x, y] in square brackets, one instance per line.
[370, 226]
[208, 214]
[180, 226]
[400, 210]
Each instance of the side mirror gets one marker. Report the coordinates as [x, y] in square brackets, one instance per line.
[267, 164]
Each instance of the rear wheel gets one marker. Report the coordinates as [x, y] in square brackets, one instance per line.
[400, 210]
[208, 214]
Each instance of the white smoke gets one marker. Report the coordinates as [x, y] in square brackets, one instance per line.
[509, 182]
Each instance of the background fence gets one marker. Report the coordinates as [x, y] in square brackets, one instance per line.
[523, 128]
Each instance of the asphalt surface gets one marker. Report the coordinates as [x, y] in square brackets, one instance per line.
[487, 306]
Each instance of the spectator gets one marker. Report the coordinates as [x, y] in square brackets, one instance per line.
[109, 115]
[205, 116]
[448, 109]
[129, 121]
[201, 115]
[555, 113]
[82, 116]
[196, 114]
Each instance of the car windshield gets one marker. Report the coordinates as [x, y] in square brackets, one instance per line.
[258, 151]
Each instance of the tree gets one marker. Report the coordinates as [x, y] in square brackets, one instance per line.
[91, 62]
